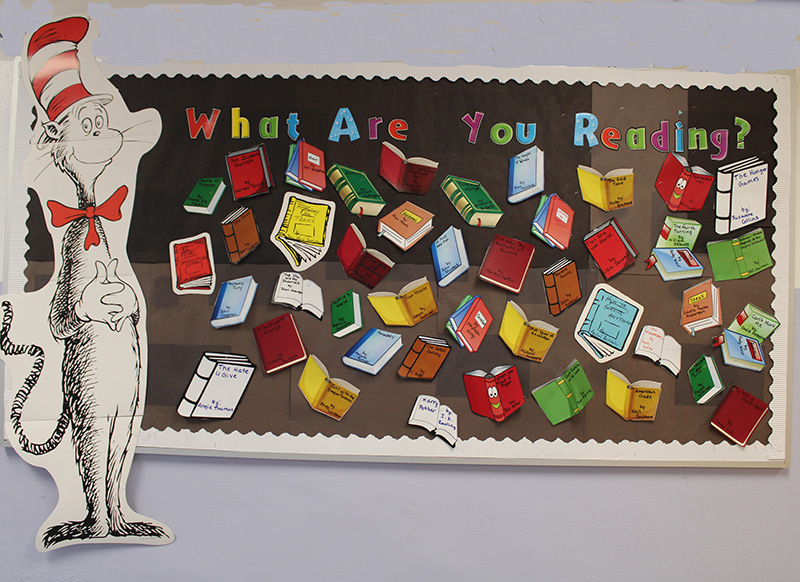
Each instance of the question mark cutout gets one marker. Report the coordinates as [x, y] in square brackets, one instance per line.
[743, 131]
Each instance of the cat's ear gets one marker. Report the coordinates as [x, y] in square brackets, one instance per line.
[51, 129]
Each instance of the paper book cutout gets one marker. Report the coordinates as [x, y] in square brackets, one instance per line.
[741, 194]
[373, 351]
[564, 396]
[356, 191]
[562, 287]
[413, 303]
[527, 339]
[472, 201]
[367, 266]
[740, 257]
[279, 343]
[82, 337]
[632, 400]
[303, 230]
[678, 232]
[553, 221]
[216, 386]
[607, 323]
[700, 307]
[506, 263]
[611, 191]
[241, 234]
[233, 303]
[754, 322]
[704, 379]
[681, 187]
[292, 169]
[249, 172]
[525, 175]
[346, 314]
[435, 417]
[494, 394]
[191, 264]
[292, 290]
[204, 195]
[425, 358]
[738, 416]
[449, 256]
[405, 225]
[412, 175]
[675, 264]
[611, 249]
[332, 397]
[741, 351]
[661, 348]
[307, 166]
[470, 323]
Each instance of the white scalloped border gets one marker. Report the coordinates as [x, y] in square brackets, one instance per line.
[524, 451]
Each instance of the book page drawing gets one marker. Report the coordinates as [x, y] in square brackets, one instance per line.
[77, 348]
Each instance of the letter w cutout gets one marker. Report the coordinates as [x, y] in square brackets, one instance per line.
[195, 124]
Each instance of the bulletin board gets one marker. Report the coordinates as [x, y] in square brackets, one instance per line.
[472, 121]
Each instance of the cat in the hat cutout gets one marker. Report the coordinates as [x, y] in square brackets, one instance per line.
[77, 348]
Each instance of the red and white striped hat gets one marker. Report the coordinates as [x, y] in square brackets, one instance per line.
[54, 68]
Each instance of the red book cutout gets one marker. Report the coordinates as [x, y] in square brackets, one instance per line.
[738, 415]
[412, 175]
[311, 166]
[279, 343]
[192, 265]
[474, 326]
[506, 262]
[249, 172]
[681, 187]
[367, 266]
[610, 248]
[495, 394]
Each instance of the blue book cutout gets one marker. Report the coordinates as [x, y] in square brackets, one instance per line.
[293, 167]
[677, 263]
[458, 316]
[606, 326]
[233, 302]
[541, 218]
[741, 351]
[449, 256]
[373, 350]
[525, 175]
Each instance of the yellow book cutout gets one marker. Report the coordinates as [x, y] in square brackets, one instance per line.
[527, 339]
[609, 192]
[330, 396]
[411, 305]
[637, 401]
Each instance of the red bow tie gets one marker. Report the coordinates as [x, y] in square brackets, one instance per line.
[110, 210]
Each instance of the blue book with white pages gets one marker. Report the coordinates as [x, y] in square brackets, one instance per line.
[741, 351]
[371, 353]
[676, 263]
[525, 175]
[449, 256]
[233, 302]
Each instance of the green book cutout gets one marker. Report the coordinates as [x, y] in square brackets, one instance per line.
[472, 201]
[356, 191]
[705, 379]
[677, 233]
[740, 257]
[754, 323]
[565, 396]
[346, 314]
[204, 196]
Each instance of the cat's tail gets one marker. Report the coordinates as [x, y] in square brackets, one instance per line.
[11, 349]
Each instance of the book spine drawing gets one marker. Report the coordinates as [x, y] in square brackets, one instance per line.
[461, 202]
[722, 205]
[741, 263]
[231, 242]
[196, 387]
[551, 292]
[411, 358]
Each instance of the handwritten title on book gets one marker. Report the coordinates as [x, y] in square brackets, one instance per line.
[664, 138]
